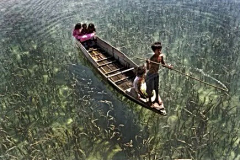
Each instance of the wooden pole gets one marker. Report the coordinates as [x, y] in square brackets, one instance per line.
[187, 75]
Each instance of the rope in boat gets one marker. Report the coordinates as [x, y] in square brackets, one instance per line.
[187, 75]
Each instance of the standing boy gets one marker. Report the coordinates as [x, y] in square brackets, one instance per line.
[152, 77]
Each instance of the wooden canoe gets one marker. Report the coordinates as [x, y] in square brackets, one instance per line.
[117, 69]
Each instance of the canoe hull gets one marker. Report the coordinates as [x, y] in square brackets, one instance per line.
[117, 69]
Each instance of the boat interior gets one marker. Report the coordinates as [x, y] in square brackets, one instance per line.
[119, 74]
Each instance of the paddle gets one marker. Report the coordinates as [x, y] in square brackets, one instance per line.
[187, 75]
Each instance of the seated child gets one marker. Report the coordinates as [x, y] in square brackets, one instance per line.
[84, 29]
[77, 31]
[138, 81]
[91, 28]
[84, 32]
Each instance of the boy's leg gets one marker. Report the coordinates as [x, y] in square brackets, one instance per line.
[156, 88]
[149, 85]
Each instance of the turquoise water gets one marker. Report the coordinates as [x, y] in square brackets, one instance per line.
[55, 106]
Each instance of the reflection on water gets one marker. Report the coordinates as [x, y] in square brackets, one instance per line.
[55, 106]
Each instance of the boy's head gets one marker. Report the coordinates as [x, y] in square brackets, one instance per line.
[156, 47]
[140, 71]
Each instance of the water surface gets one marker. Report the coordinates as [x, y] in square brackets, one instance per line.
[55, 106]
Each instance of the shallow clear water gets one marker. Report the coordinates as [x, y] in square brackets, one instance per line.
[55, 106]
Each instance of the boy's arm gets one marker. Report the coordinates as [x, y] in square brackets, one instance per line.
[164, 64]
[148, 62]
[162, 60]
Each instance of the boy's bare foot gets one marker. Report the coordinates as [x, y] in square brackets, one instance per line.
[149, 103]
[160, 102]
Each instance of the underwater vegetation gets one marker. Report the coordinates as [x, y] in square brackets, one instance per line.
[53, 105]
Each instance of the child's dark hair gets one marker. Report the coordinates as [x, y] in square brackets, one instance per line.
[90, 25]
[78, 26]
[91, 28]
[156, 45]
[140, 71]
[84, 25]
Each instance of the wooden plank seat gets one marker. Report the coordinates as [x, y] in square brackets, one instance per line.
[124, 71]
[115, 70]
[100, 60]
[92, 49]
[106, 63]
[122, 79]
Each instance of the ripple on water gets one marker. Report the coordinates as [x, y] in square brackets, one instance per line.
[215, 14]
[35, 19]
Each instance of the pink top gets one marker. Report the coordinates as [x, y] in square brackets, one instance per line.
[86, 37]
[76, 33]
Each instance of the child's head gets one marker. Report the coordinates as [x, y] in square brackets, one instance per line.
[156, 46]
[78, 26]
[140, 71]
[84, 25]
[91, 26]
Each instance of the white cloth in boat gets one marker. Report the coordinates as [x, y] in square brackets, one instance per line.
[134, 91]
[136, 82]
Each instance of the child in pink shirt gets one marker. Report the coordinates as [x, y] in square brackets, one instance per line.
[77, 31]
